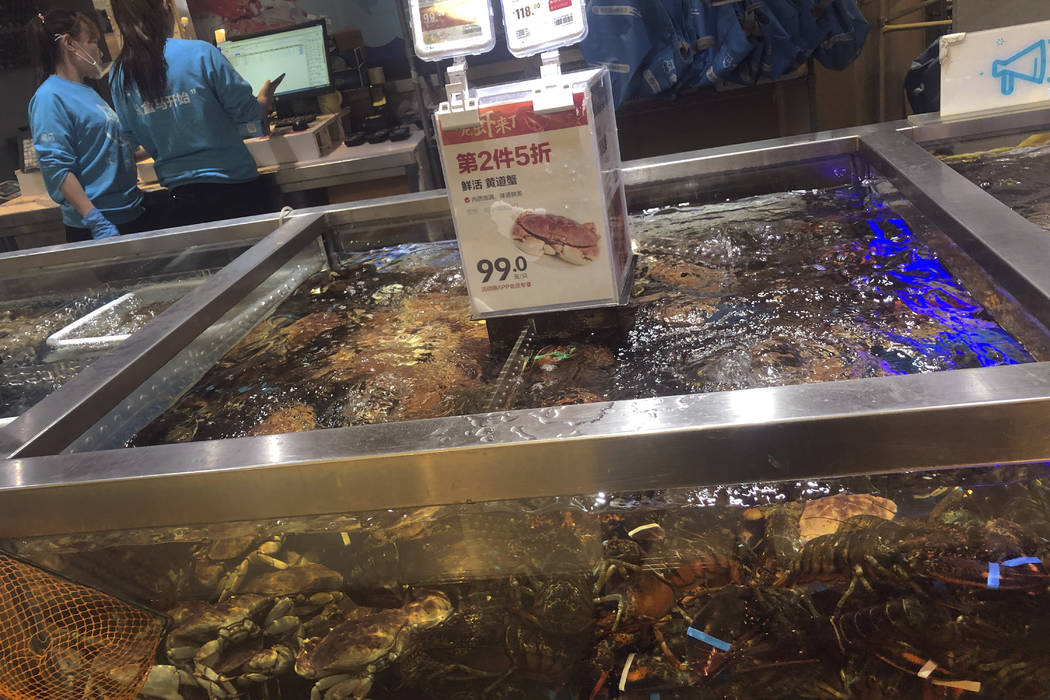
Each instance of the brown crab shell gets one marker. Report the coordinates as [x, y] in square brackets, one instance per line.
[824, 515]
[305, 578]
[551, 234]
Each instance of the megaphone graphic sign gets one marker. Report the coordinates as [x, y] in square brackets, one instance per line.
[1028, 64]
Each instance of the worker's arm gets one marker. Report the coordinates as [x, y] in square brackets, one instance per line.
[100, 226]
[74, 193]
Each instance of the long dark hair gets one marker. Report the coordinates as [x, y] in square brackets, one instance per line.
[42, 44]
[144, 25]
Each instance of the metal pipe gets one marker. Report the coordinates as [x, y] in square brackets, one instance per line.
[882, 60]
[915, 8]
[916, 25]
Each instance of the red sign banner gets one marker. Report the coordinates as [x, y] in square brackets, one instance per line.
[516, 119]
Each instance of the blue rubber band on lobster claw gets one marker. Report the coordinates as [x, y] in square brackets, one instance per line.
[993, 575]
[1020, 561]
[708, 639]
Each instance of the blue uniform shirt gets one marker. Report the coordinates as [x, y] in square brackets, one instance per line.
[75, 131]
[192, 130]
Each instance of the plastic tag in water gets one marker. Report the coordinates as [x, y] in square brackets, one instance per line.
[708, 639]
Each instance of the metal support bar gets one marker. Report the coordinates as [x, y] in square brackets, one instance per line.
[945, 419]
[882, 62]
[72, 409]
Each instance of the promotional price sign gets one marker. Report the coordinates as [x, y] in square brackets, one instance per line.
[539, 25]
[538, 201]
[995, 69]
[447, 28]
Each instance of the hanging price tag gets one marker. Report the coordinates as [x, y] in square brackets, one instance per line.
[447, 28]
[534, 26]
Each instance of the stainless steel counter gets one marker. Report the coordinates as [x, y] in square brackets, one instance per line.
[963, 417]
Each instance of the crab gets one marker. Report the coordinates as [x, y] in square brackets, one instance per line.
[683, 312]
[294, 418]
[344, 661]
[694, 279]
[423, 359]
[233, 642]
[281, 335]
[824, 515]
[577, 364]
[549, 234]
[296, 573]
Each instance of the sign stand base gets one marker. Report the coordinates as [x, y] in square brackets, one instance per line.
[604, 322]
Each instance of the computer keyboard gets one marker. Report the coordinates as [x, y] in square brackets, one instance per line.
[289, 122]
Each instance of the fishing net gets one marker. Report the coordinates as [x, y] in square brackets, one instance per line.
[61, 640]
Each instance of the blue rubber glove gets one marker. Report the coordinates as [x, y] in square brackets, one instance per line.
[100, 226]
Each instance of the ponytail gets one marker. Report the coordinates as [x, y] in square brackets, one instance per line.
[144, 25]
[42, 33]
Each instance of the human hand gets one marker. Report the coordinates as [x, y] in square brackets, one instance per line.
[265, 95]
[100, 226]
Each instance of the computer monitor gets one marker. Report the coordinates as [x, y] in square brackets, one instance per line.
[300, 52]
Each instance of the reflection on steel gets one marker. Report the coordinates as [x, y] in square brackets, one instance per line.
[252, 229]
[1011, 249]
[999, 414]
[930, 128]
[64, 415]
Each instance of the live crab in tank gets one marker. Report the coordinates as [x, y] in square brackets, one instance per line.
[346, 348]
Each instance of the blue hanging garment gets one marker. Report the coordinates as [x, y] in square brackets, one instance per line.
[639, 44]
[700, 29]
[733, 46]
[780, 52]
[844, 31]
[654, 47]
[809, 31]
[790, 15]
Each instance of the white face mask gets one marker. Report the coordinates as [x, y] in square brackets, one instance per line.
[80, 52]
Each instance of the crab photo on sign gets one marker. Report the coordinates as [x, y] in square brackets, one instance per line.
[548, 234]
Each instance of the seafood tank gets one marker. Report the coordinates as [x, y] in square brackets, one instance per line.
[921, 584]
[802, 286]
[24, 328]
[33, 368]
[1015, 174]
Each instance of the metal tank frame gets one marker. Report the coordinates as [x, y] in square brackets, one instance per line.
[887, 424]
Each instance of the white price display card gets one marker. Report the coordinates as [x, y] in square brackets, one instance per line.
[447, 28]
[538, 201]
[995, 69]
[540, 25]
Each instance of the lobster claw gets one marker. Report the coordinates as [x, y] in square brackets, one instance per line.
[1018, 574]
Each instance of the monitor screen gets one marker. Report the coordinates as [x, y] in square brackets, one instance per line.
[298, 52]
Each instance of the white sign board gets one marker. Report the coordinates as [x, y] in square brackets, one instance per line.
[994, 69]
[538, 201]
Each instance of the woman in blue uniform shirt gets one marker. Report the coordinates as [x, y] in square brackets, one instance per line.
[87, 161]
[183, 101]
